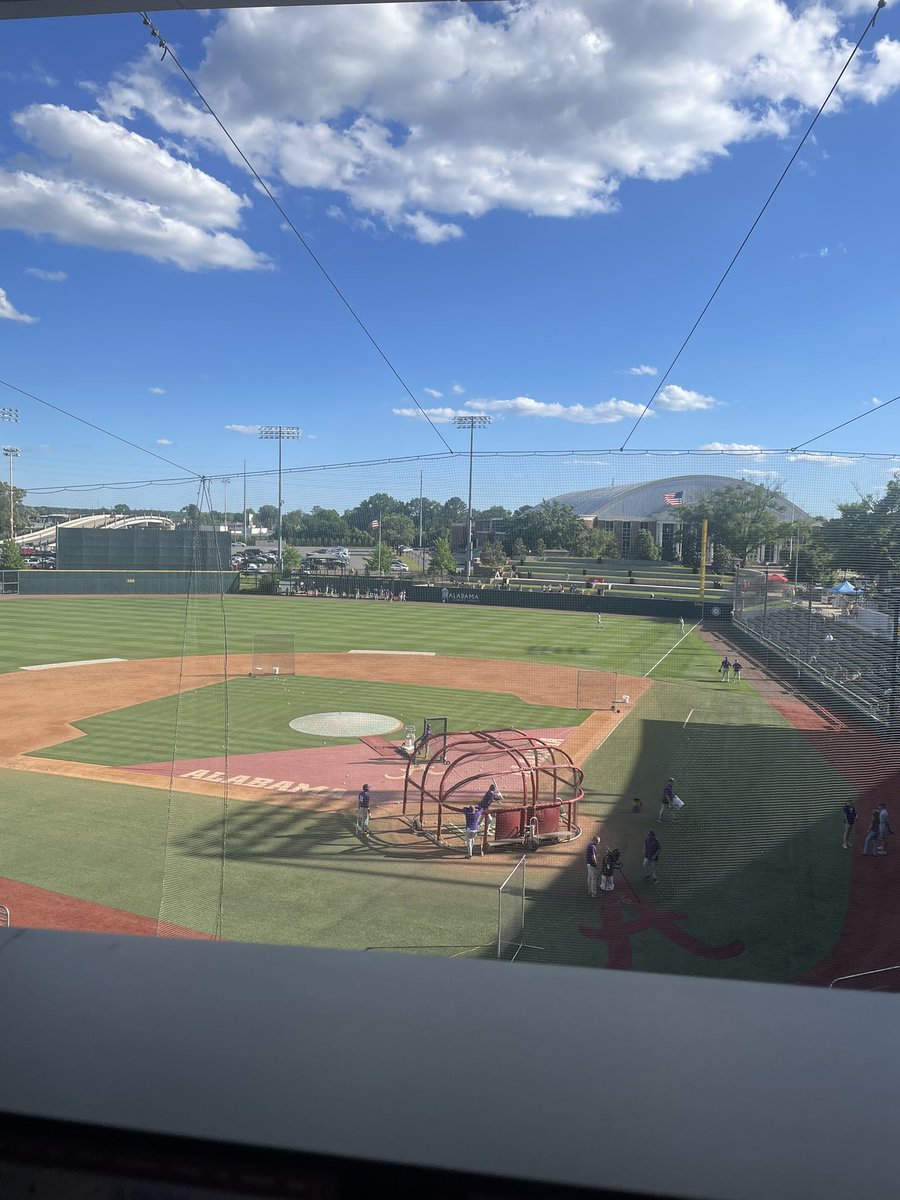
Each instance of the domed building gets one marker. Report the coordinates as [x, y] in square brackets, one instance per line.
[625, 509]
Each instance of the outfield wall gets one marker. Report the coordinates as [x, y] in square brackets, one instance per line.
[124, 583]
[466, 594]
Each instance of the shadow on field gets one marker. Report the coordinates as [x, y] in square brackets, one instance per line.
[754, 857]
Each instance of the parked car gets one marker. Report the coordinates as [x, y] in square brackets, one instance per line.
[397, 565]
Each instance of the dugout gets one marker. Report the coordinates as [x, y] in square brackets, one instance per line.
[141, 548]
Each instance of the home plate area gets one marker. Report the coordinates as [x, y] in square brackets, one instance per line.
[326, 772]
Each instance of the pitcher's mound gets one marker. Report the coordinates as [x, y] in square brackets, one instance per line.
[345, 724]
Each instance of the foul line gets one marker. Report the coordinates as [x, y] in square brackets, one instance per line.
[78, 662]
[414, 653]
[687, 718]
[675, 647]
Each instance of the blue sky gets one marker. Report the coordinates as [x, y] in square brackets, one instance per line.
[527, 205]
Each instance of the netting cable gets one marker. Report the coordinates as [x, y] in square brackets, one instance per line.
[751, 230]
[167, 50]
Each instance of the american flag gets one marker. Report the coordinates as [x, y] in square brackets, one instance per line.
[673, 499]
[373, 524]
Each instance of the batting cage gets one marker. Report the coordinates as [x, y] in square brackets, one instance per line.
[526, 790]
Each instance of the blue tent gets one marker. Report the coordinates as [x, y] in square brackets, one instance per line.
[845, 589]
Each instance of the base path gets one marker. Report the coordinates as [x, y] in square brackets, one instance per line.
[41, 707]
[36, 908]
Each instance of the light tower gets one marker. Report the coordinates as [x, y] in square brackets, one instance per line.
[11, 452]
[280, 433]
[471, 423]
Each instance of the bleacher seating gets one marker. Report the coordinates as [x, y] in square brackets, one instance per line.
[831, 648]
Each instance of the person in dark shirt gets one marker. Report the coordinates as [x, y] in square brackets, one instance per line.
[651, 857]
[668, 795]
[593, 866]
[362, 809]
[472, 816]
[850, 815]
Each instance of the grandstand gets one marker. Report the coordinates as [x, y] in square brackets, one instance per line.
[852, 654]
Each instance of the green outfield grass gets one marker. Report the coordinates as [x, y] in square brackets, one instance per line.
[755, 855]
[256, 713]
[56, 629]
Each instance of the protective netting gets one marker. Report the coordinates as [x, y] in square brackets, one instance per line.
[189, 797]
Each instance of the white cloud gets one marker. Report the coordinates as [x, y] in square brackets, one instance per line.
[643, 369]
[752, 473]
[439, 416]
[434, 393]
[9, 313]
[429, 231]
[98, 184]
[608, 412]
[49, 276]
[875, 402]
[828, 460]
[458, 389]
[311, 437]
[417, 113]
[163, 442]
[673, 398]
[247, 430]
[156, 391]
[732, 447]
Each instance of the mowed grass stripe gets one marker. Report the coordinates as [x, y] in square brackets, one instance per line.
[59, 629]
[259, 712]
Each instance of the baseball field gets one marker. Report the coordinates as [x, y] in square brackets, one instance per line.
[151, 782]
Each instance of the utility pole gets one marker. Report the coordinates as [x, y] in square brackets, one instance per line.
[279, 433]
[245, 501]
[471, 423]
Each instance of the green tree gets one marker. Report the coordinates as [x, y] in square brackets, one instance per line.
[492, 554]
[519, 548]
[267, 516]
[23, 517]
[191, 513]
[379, 563]
[812, 564]
[11, 558]
[741, 515]
[723, 559]
[866, 536]
[645, 547]
[290, 557]
[442, 560]
[541, 547]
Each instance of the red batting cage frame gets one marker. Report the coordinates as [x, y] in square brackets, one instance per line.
[538, 781]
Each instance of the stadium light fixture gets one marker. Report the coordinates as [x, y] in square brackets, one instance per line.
[471, 423]
[9, 414]
[11, 452]
[280, 433]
